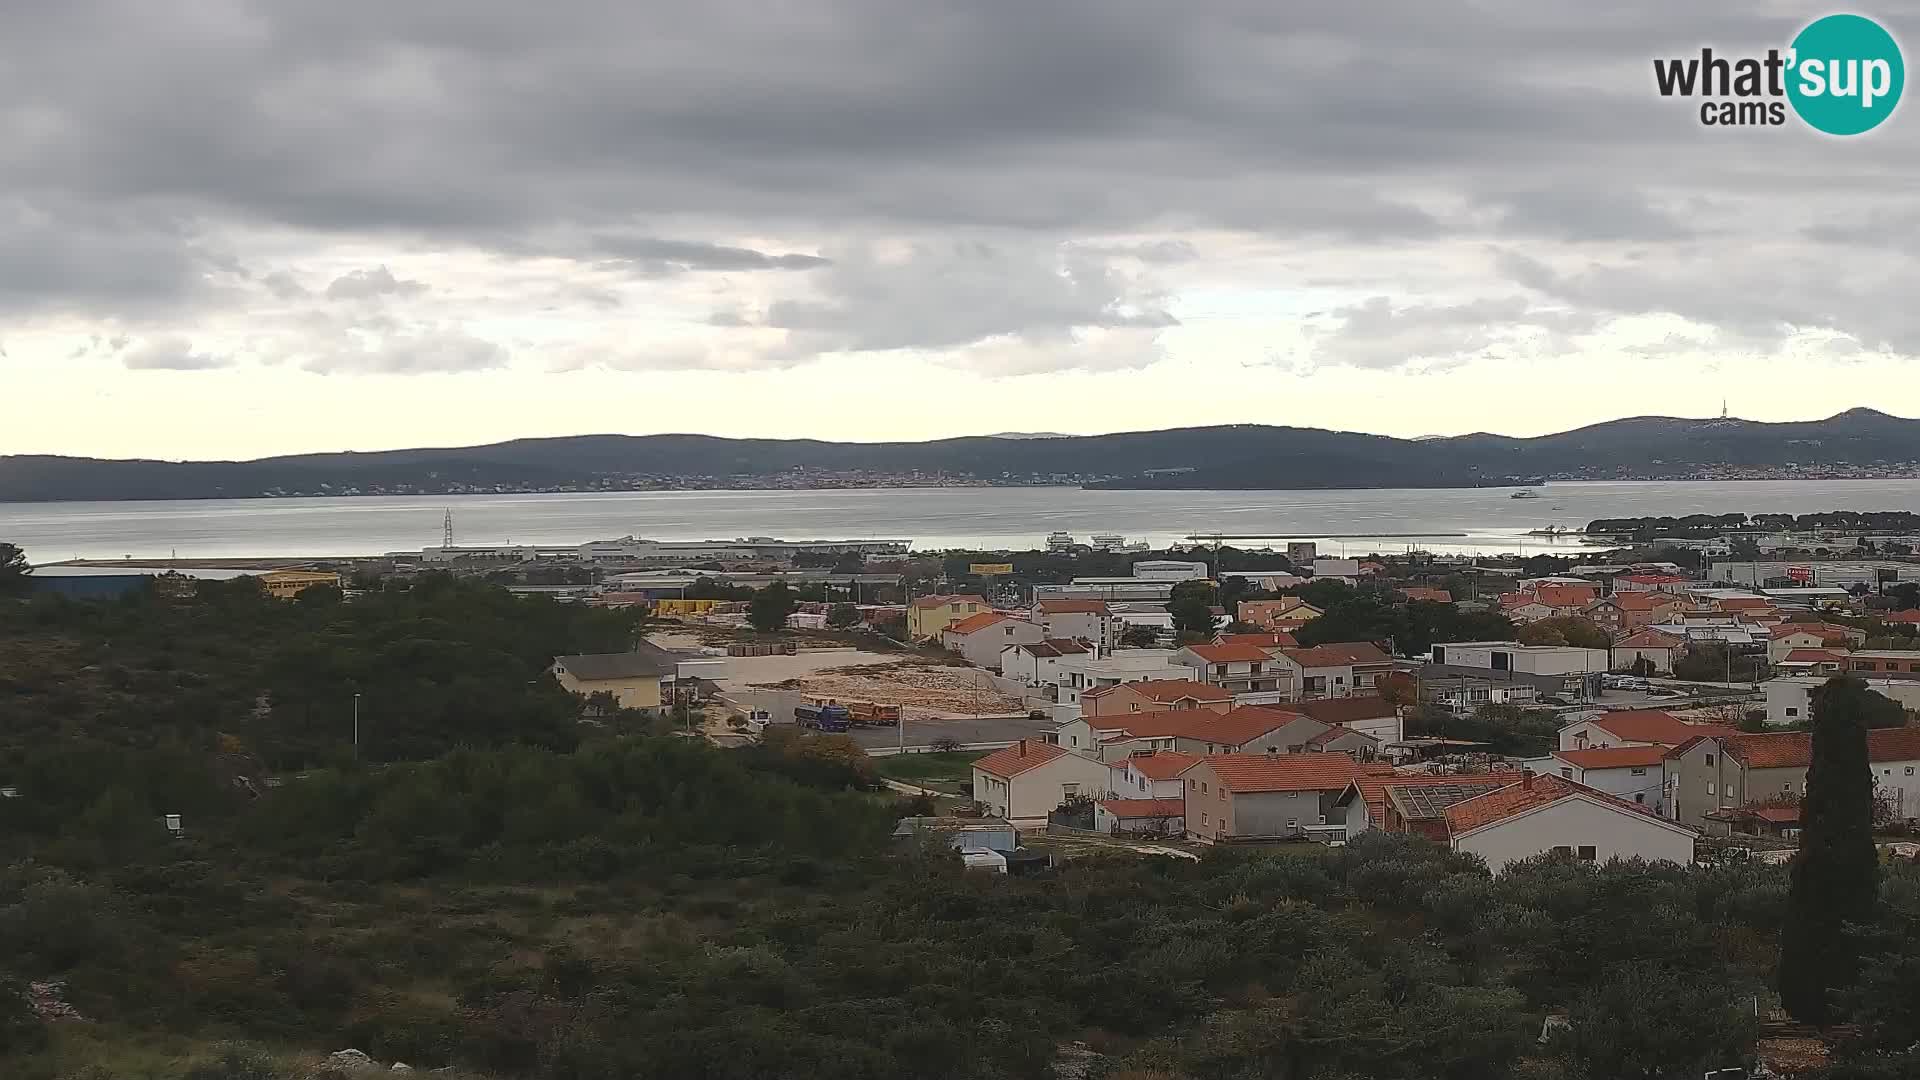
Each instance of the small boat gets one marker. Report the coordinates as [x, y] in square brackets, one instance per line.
[1060, 541]
[1525, 493]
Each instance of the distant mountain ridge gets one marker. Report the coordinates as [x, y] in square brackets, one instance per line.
[1228, 457]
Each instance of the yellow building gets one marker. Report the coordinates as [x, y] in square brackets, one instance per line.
[685, 607]
[633, 678]
[927, 616]
[287, 584]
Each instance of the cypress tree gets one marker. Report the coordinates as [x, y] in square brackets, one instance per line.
[1836, 873]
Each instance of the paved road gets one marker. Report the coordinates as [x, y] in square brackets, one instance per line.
[984, 730]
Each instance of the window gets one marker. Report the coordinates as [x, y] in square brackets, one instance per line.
[1568, 773]
[1709, 787]
[1792, 711]
[1640, 797]
[1788, 786]
[1562, 849]
[1069, 790]
[1709, 759]
[1134, 707]
[1073, 740]
[1203, 817]
[1636, 772]
[1909, 770]
[1587, 853]
[1223, 794]
[1191, 784]
[1293, 823]
[1203, 789]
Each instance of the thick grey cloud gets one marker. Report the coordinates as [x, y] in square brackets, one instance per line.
[367, 284]
[169, 354]
[430, 351]
[590, 130]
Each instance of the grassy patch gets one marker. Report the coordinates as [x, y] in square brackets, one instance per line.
[930, 769]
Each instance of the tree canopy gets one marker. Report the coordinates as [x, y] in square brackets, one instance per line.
[771, 606]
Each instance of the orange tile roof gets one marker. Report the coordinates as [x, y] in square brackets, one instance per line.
[1372, 786]
[1161, 764]
[1639, 601]
[1023, 756]
[976, 622]
[1144, 808]
[1531, 793]
[1073, 607]
[1235, 728]
[1742, 603]
[1903, 616]
[1437, 596]
[1165, 690]
[1343, 710]
[1566, 595]
[1245, 774]
[1261, 641]
[1773, 750]
[1337, 732]
[1894, 744]
[1229, 654]
[1337, 654]
[1654, 726]
[1813, 656]
[1614, 757]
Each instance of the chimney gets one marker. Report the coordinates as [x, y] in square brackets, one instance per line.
[1526, 779]
[1023, 748]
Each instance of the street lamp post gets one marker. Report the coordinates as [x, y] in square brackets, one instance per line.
[356, 725]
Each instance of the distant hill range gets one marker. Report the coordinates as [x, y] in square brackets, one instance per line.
[1235, 457]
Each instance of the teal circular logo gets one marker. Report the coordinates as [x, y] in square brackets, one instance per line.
[1846, 74]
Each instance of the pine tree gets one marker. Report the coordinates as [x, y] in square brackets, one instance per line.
[1836, 874]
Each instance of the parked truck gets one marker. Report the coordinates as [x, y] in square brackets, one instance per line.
[874, 714]
[822, 716]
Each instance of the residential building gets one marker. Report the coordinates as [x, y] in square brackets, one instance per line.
[1240, 797]
[1868, 662]
[1141, 817]
[1784, 638]
[1633, 773]
[1790, 698]
[1244, 730]
[980, 638]
[1153, 774]
[1778, 820]
[1238, 669]
[287, 584]
[1634, 727]
[1268, 613]
[1527, 610]
[1540, 814]
[927, 616]
[1805, 662]
[1369, 714]
[1110, 589]
[1154, 695]
[1026, 781]
[1626, 612]
[1079, 620]
[1335, 670]
[1081, 674]
[1345, 740]
[633, 679]
[1653, 646]
[1037, 663]
[1528, 659]
[1464, 694]
[1266, 642]
[1411, 802]
[964, 834]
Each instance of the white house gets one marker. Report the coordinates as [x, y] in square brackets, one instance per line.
[1037, 663]
[1078, 620]
[1141, 817]
[1341, 569]
[1552, 814]
[1150, 776]
[1169, 570]
[1526, 659]
[1653, 646]
[1026, 781]
[980, 638]
[1635, 774]
[1790, 700]
[1334, 670]
[1078, 674]
[1240, 669]
[1633, 727]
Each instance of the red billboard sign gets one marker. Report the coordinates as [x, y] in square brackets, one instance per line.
[1801, 574]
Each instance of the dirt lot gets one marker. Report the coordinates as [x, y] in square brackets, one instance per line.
[922, 691]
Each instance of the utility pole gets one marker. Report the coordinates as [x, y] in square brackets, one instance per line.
[356, 725]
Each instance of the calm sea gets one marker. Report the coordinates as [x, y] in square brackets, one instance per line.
[1482, 520]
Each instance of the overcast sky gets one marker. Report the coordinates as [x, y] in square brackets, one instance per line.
[238, 228]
